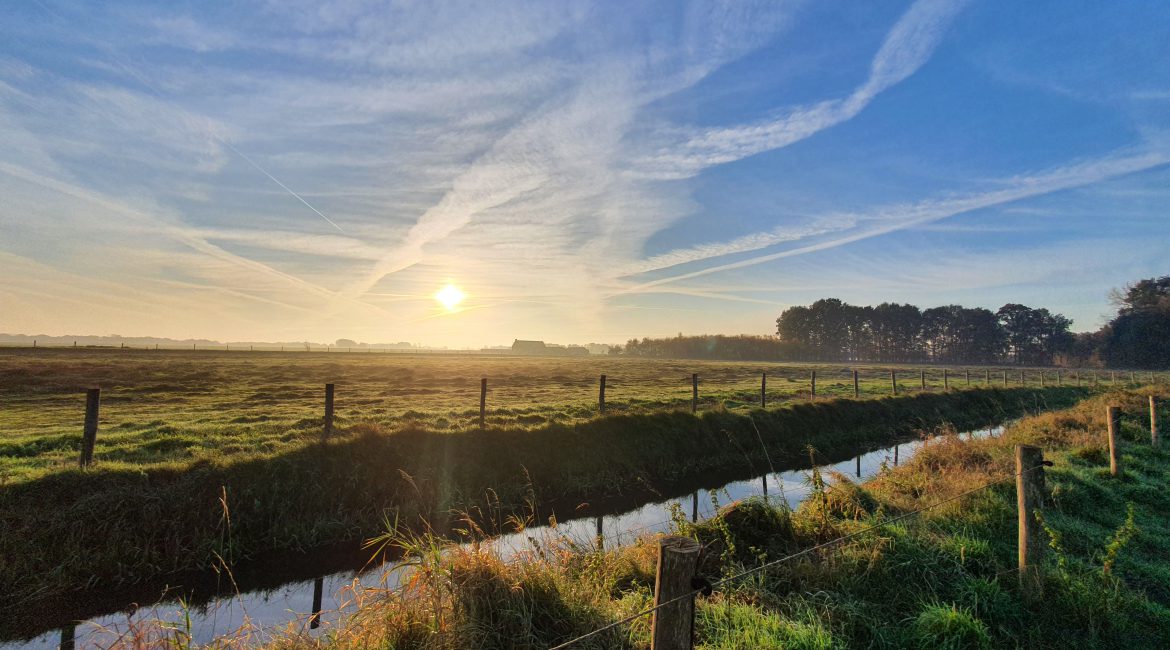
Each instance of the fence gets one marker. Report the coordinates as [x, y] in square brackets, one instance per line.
[925, 383]
[677, 582]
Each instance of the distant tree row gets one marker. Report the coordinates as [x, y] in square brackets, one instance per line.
[837, 331]
[1137, 337]
[733, 348]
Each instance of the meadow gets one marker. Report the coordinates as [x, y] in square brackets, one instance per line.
[207, 460]
[177, 408]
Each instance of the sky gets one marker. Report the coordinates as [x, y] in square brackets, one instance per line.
[582, 172]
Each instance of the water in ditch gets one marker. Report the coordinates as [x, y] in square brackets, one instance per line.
[315, 605]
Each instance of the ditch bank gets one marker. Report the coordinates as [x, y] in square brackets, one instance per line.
[77, 530]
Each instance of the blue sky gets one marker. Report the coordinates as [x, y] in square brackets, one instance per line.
[583, 171]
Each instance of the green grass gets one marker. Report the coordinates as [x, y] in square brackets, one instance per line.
[942, 579]
[181, 408]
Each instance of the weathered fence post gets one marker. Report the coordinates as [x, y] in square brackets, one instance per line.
[482, 401]
[1113, 415]
[813, 383]
[328, 411]
[922, 379]
[894, 381]
[856, 386]
[1029, 495]
[1131, 379]
[93, 399]
[695, 506]
[694, 392]
[896, 455]
[967, 375]
[1154, 422]
[986, 377]
[946, 380]
[1041, 379]
[1005, 379]
[1022, 382]
[1059, 378]
[673, 624]
[763, 390]
[599, 522]
[601, 396]
[318, 592]
[858, 465]
[1112, 377]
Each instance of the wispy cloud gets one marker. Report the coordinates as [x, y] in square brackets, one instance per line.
[906, 48]
[900, 217]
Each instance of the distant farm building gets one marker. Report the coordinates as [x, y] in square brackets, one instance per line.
[542, 349]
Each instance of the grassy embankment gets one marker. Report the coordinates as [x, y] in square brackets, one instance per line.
[943, 579]
[123, 521]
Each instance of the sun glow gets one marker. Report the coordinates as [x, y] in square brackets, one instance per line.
[450, 296]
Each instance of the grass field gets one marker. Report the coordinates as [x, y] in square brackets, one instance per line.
[208, 458]
[178, 408]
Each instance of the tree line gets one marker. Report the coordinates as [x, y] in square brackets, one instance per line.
[833, 330]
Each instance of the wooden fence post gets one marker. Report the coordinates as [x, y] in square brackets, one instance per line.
[328, 411]
[1154, 422]
[922, 379]
[673, 625]
[694, 392]
[894, 382]
[856, 386]
[763, 390]
[1059, 378]
[1029, 495]
[1022, 382]
[946, 380]
[93, 399]
[599, 522]
[1041, 379]
[482, 401]
[601, 396]
[694, 506]
[1005, 379]
[1113, 416]
[986, 377]
[813, 383]
[967, 375]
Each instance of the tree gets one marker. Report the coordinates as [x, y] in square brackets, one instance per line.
[1139, 336]
[1034, 336]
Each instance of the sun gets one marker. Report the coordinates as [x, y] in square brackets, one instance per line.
[450, 296]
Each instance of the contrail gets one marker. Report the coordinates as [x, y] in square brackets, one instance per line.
[275, 180]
